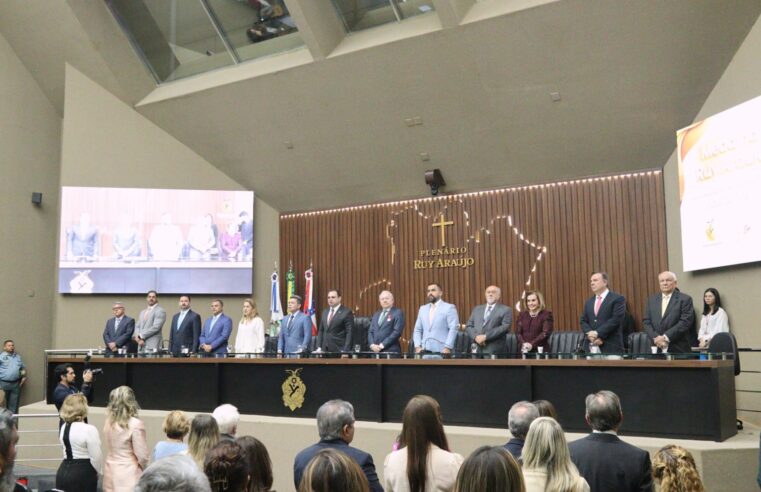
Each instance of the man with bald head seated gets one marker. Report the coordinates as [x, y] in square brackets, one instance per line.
[490, 323]
[386, 326]
[669, 317]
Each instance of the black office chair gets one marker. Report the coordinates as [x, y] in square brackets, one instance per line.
[270, 345]
[639, 343]
[511, 345]
[359, 334]
[462, 344]
[565, 342]
[726, 343]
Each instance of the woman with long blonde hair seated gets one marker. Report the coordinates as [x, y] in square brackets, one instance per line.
[128, 453]
[547, 464]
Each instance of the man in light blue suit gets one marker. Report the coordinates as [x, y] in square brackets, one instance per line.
[216, 331]
[437, 324]
[295, 329]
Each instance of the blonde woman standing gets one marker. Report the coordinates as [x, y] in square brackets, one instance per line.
[124, 433]
[250, 337]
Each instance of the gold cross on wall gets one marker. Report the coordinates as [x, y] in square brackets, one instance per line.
[442, 223]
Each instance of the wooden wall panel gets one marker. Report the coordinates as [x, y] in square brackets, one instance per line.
[612, 223]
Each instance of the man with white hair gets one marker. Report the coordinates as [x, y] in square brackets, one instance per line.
[335, 423]
[519, 420]
[227, 417]
[670, 317]
[177, 473]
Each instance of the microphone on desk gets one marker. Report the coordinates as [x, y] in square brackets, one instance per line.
[579, 346]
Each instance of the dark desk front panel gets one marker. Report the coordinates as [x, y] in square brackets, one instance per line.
[679, 399]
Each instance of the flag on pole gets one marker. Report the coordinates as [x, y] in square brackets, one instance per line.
[290, 282]
[276, 308]
[309, 299]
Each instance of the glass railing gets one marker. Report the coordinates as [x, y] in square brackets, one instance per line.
[363, 14]
[179, 38]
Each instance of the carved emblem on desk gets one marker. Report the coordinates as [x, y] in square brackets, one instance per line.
[294, 389]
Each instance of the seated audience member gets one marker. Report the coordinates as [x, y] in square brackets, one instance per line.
[423, 462]
[259, 464]
[83, 240]
[176, 426]
[176, 473]
[546, 461]
[533, 326]
[335, 424]
[8, 440]
[165, 242]
[124, 433]
[226, 467]
[81, 448]
[230, 243]
[330, 471]
[227, 418]
[714, 319]
[204, 435]
[490, 469]
[518, 421]
[674, 470]
[126, 240]
[202, 241]
[546, 409]
[605, 461]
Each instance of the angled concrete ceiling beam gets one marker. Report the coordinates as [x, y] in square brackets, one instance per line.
[114, 47]
[319, 25]
[451, 12]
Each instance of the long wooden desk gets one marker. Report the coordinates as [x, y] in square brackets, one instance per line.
[681, 399]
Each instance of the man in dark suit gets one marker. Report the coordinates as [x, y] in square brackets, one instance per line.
[185, 330]
[605, 461]
[386, 326]
[670, 317]
[216, 331]
[118, 331]
[602, 317]
[490, 323]
[295, 329]
[336, 326]
[519, 420]
[335, 423]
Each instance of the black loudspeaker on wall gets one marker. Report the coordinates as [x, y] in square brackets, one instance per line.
[37, 198]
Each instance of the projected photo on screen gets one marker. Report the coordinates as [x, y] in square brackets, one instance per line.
[720, 188]
[130, 240]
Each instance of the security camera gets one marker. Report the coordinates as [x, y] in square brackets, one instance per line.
[435, 180]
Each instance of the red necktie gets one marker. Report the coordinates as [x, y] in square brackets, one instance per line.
[597, 304]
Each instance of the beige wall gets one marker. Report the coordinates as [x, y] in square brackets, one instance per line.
[30, 140]
[107, 143]
[740, 286]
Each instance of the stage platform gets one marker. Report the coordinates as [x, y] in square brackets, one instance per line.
[725, 466]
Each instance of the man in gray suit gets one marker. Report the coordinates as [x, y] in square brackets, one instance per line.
[670, 317]
[490, 323]
[148, 325]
